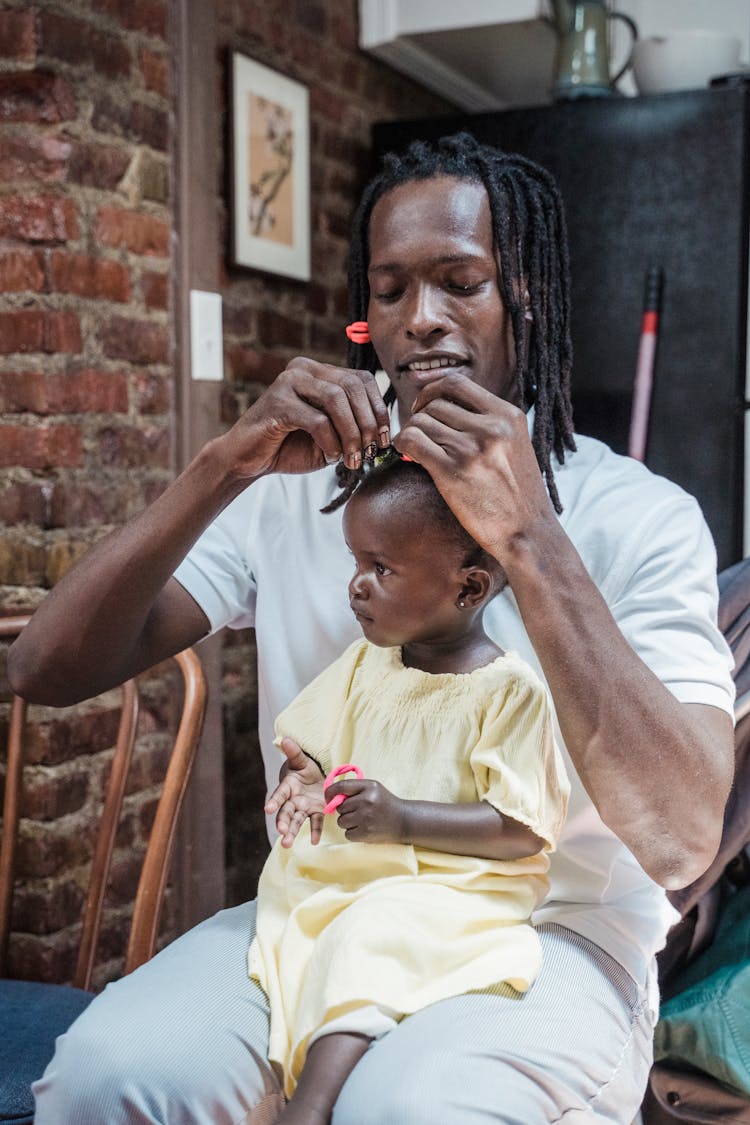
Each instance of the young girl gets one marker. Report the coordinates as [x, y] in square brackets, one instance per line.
[422, 884]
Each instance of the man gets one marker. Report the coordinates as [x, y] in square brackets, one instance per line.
[459, 266]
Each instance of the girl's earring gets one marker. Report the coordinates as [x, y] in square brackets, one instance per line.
[461, 603]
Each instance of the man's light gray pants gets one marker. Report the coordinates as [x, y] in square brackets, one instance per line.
[184, 1038]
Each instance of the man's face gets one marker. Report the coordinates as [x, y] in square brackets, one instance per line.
[435, 303]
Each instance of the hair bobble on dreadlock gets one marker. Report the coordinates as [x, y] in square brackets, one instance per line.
[358, 332]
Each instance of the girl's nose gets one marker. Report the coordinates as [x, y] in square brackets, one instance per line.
[357, 587]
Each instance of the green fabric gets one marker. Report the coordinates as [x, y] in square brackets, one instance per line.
[707, 1024]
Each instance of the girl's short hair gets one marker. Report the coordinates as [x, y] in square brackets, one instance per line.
[409, 486]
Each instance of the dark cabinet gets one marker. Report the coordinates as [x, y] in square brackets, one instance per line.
[659, 181]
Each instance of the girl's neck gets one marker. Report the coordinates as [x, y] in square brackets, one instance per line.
[462, 654]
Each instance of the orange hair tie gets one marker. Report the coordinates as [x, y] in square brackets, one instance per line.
[358, 332]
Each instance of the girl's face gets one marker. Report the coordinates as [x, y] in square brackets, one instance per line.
[407, 579]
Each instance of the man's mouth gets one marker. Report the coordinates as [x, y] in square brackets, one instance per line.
[433, 364]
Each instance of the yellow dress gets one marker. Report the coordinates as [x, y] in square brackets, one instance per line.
[343, 925]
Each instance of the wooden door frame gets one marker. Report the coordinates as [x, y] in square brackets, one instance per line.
[199, 865]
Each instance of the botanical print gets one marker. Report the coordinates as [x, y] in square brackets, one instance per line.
[271, 158]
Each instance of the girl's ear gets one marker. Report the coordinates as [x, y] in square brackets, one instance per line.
[477, 587]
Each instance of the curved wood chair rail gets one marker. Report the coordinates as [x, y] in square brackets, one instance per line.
[144, 926]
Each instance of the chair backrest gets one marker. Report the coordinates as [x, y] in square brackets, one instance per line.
[144, 925]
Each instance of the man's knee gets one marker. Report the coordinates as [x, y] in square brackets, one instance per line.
[438, 1085]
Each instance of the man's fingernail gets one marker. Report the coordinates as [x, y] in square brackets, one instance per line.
[354, 460]
[384, 437]
[332, 459]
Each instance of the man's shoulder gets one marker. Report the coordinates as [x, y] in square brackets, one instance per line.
[595, 475]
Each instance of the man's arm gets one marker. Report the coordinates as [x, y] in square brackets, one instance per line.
[658, 771]
[118, 611]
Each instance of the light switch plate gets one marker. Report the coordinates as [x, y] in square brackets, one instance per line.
[206, 344]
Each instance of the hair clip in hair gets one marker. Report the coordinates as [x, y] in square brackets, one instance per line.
[358, 332]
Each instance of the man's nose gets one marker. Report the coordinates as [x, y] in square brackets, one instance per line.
[425, 312]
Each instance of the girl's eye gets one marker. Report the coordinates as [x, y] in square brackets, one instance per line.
[380, 569]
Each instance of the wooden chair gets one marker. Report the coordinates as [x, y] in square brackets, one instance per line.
[33, 1014]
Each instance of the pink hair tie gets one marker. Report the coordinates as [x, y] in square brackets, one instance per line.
[358, 332]
[339, 799]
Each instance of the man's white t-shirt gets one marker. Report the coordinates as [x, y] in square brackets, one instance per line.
[272, 560]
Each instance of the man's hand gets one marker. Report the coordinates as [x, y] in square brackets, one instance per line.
[298, 795]
[477, 449]
[311, 415]
[370, 812]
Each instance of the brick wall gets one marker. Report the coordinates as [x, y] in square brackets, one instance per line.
[86, 383]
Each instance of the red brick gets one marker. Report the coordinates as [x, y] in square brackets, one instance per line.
[155, 70]
[46, 909]
[327, 341]
[89, 277]
[21, 270]
[151, 393]
[148, 16]
[141, 233]
[138, 341]
[78, 42]
[39, 330]
[66, 736]
[49, 796]
[70, 392]
[50, 959]
[88, 391]
[275, 328]
[133, 120]
[99, 166]
[36, 96]
[18, 34]
[316, 298]
[40, 447]
[329, 105]
[80, 504]
[46, 850]
[21, 561]
[38, 218]
[22, 391]
[24, 503]
[155, 287]
[33, 158]
[251, 366]
[133, 448]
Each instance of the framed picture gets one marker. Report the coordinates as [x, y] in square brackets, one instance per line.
[270, 170]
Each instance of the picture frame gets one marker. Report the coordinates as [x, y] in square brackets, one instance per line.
[269, 170]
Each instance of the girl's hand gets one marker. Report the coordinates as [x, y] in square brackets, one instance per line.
[298, 795]
[370, 812]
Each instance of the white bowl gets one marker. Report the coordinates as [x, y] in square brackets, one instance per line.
[683, 60]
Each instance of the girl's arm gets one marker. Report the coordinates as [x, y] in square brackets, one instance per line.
[372, 813]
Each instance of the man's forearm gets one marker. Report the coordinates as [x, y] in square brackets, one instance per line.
[104, 622]
[657, 770]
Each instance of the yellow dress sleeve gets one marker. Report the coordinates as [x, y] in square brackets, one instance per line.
[314, 717]
[516, 763]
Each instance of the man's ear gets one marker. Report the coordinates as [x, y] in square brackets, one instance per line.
[477, 586]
